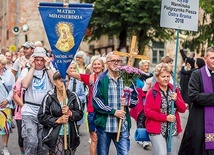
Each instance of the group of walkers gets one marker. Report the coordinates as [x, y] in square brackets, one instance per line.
[33, 87]
[45, 114]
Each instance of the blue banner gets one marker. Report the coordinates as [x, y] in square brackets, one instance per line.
[65, 28]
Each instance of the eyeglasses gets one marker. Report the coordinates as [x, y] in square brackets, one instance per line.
[115, 61]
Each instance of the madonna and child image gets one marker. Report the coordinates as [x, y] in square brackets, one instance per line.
[65, 41]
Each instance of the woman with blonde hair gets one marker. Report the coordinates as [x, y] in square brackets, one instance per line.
[89, 69]
[159, 112]
[89, 80]
[169, 61]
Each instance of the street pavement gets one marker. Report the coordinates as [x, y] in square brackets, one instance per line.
[83, 149]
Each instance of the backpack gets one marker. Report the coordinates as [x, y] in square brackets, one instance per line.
[142, 117]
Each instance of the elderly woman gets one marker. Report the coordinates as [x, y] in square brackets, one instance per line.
[80, 59]
[146, 77]
[142, 84]
[53, 115]
[159, 112]
[7, 81]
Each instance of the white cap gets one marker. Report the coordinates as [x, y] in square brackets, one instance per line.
[39, 52]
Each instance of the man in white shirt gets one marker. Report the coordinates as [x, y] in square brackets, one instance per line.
[22, 62]
[37, 80]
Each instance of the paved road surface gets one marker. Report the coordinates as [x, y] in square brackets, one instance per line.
[83, 149]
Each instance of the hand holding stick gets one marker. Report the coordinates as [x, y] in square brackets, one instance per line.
[121, 116]
[119, 127]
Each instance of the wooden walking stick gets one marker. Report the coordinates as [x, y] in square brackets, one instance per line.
[66, 3]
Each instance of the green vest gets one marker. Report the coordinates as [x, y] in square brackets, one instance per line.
[101, 119]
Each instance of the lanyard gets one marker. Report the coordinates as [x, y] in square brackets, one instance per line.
[41, 77]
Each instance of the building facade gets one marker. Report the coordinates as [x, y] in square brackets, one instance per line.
[20, 21]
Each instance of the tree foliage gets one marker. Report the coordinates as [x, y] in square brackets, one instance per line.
[126, 18]
[205, 32]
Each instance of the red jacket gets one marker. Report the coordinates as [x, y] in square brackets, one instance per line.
[134, 112]
[153, 113]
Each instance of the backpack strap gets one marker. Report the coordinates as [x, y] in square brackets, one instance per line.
[154, 93]
[74, 84]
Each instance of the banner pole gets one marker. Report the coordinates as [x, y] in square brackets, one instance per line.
[65, 127]
[169, 146]
[66, 3]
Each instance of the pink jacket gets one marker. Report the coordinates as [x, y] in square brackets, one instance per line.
[18, 87]
[153, 111]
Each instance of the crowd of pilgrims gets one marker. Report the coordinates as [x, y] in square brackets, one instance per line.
[31, 96]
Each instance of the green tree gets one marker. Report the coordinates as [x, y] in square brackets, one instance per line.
[126, 18]
[205, 33]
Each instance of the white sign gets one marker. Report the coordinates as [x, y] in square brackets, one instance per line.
[180, 14]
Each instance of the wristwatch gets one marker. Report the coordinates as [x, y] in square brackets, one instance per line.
[47, 67]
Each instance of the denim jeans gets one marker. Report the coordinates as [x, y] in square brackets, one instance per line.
[91, 125]
[159, 144]
[104, 141]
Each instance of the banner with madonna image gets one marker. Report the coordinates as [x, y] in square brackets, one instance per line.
[65, 26]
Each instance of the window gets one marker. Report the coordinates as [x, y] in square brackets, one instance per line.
[110, 40]
[91, 48]
[7, 34]
[157, 52]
